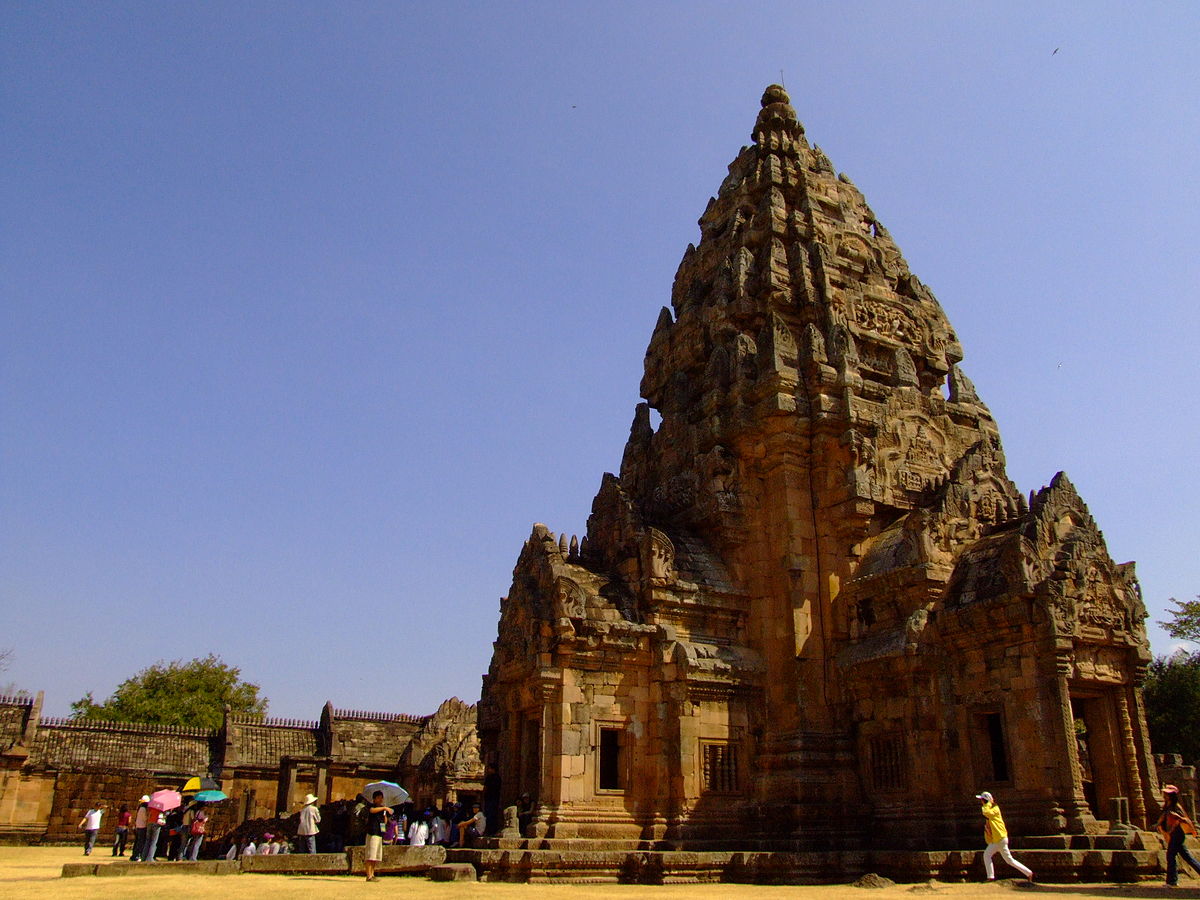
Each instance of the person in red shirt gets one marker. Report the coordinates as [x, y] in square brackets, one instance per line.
[123, 819]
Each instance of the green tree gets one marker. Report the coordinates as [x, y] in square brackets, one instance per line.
[1172, 693]
[1185, 620]
[191, 693]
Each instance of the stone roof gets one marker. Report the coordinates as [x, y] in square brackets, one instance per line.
[67, 744]
[262, 743]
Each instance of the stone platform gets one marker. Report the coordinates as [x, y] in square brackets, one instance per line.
[1057, 858]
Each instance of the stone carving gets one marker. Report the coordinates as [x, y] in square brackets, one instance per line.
[885, 320]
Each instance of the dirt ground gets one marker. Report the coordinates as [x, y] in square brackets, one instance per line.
[34, 872]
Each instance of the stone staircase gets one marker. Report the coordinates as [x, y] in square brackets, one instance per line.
[1119, 857]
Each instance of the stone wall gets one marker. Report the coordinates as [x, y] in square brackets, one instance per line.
[52, 769]
[71, 744]
[376, 738]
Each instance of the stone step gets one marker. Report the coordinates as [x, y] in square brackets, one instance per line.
[813, 867]
[1121, 840]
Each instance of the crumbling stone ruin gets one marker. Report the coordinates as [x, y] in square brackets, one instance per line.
[52, 769]
[812, 611]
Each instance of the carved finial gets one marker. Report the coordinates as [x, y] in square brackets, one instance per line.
[574, 554]
[775, 93]
[563, 546]
[777, 125]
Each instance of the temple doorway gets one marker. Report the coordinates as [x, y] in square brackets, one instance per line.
[1097, 741]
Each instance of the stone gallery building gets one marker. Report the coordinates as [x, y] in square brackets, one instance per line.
[52, 769]
[812, 611]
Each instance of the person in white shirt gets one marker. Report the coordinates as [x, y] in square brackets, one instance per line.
[91, 827]
[439, 830]
[310, 818]
[418, 833]
[476, 826]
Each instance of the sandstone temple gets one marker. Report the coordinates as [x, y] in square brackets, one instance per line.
[810, 619]
[813, 612]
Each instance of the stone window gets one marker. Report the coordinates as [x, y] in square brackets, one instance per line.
[610, 774]
[991, 747]
[888, 772]
[720, 762]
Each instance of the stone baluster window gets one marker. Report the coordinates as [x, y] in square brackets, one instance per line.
[721, 772]
[888, 771]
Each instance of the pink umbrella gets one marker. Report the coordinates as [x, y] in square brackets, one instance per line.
[165, 800]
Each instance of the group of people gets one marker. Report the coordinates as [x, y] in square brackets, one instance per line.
[387, 825]
[452, 825]
[1173, 824]
[183, 829]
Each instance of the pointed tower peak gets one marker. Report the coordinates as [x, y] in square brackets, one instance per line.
[777, 119]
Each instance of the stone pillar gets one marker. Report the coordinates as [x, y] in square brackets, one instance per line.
[1074, 803]
[1137, 804]
[287, 784]
[322, 788]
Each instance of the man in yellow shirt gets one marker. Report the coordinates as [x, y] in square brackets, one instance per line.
[996, 837]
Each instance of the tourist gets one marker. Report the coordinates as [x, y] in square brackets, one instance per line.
[391, 833]
[1175, 826]
[155, 820]
[418, 832]
[475, 826]
[90, 823]
[266, 846]
[306, 831]
[174, 848]
[524, 812]
[248, 848]
[194, 824]
[996, 837]
[139, 829]
[123, 818]
[378, 817]
[439, 829]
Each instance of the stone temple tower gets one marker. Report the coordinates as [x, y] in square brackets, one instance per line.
[813, 611]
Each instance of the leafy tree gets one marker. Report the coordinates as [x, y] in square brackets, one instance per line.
[1172, 693]
[191, 693]
[1185, 620]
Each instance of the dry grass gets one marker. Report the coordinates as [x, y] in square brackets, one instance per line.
[34, 872]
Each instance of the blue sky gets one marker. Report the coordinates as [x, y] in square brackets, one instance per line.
[310, 311]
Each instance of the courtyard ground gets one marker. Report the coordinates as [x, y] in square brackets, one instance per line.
[34, 872]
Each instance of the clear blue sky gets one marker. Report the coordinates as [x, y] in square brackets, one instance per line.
[311, 310]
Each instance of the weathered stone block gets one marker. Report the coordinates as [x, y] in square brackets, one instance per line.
[400, 859]
[299, 863]
[453, 872]
[76, 870]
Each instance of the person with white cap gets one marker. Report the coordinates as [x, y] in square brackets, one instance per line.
[310, 818]
[996, 837]
[139, 829]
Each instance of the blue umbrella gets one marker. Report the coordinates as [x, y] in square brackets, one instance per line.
[210, 796]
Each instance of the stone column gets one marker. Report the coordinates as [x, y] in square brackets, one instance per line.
[1076, 808]
[322, 782]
